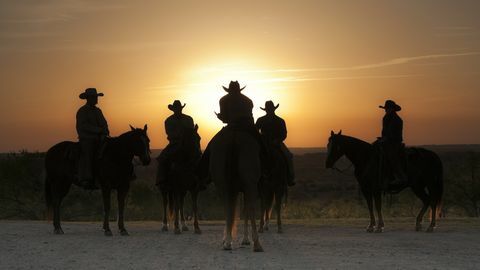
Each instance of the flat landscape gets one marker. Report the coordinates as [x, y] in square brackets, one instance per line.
[313, 244]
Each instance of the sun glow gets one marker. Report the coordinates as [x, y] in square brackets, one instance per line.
[201, 89]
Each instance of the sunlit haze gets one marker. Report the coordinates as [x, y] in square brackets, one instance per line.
[328, 63]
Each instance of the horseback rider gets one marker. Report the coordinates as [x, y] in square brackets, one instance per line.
[274, 131]
[236, 112]
[175, 126]
[391, 143]
[92, 129]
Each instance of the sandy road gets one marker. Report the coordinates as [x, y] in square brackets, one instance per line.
[31, 245]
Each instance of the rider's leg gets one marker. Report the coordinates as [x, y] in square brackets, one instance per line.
[86, 164]
[397, 164]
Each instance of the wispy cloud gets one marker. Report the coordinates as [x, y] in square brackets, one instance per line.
[387, 63]
[176, 87]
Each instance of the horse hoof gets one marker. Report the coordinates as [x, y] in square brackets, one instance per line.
[418, 227]
[245, 242]
[124, 232]
[185, 228]
[430, 229]
[108, 233]
[257, 247]
[58, 231]
[177, 231]
[227, 246]
[370, 229]
[198, 231]
[379, 230]
[165, 228]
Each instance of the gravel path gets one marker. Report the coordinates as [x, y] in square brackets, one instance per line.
[31, 245]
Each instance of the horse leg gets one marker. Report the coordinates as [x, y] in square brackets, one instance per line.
[56, 217]
[268, 210]
[106, 211]
[195, 212]
[182, 215]
[230, 205]
[121, 197]
[278, 208]
[378, 206]
[369, 199]
[165, 213]
[433, 222]
[245, 241]
[250, 202]
[176, 225]
[262, 211]
[424, 198]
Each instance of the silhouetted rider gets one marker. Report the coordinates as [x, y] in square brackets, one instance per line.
[92, 129]
[274, 130]
[236, 112]
[236, 108]
[392, 142]
[175, 126]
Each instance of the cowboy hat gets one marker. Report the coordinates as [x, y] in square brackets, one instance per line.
[270, 106]
[234, 86]
[176, 105]
[390, 104]
[90, 92]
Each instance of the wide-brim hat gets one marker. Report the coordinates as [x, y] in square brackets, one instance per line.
[90, 92]
[234, 86]
[270, 106]
[390, 104]
[176, 105]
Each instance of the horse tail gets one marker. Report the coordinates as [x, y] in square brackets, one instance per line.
[286, 196]
[171, 205]
[231, 174]
[48, 197]
[439, 178]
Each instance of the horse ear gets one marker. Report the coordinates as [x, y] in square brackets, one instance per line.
[145, 127]
[340, 132]
[196, 127]
[332, 133]
[132, 128]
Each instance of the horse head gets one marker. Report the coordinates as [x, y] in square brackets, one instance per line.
[140, 144]
[190, 144]
[334, 149]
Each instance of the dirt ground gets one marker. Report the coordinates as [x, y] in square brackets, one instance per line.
[334, 244]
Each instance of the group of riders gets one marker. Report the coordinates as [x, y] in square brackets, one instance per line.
[269, 131]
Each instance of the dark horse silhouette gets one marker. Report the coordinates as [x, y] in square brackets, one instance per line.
[182, 178]
[113, 171]
[234, 168]
[424, 170]
[274, 187]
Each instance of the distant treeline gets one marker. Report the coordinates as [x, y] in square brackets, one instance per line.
[319, 193]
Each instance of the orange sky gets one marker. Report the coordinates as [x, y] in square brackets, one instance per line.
[328, 63]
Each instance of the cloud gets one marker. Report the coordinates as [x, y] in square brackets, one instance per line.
[387, 63]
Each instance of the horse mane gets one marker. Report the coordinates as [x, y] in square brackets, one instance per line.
[354, 140]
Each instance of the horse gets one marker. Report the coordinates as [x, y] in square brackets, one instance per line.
[113, 172]
[235, 167]
[273, 187]
[424, 171]
[182, 178]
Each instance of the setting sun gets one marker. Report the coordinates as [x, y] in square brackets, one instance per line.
[201, 89]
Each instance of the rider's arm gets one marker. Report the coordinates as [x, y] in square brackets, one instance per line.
[283, 131]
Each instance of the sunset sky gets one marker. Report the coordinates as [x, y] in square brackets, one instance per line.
[328, 63]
